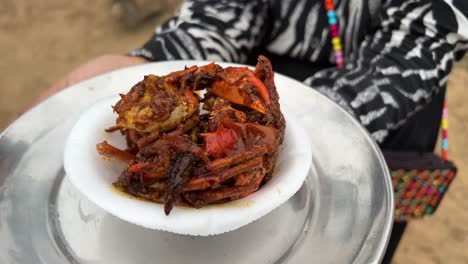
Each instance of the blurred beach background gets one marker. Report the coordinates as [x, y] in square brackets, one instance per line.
[40, 41]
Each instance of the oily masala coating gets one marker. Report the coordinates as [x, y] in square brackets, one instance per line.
[178, 154]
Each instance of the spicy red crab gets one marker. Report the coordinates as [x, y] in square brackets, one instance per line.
[178, 155]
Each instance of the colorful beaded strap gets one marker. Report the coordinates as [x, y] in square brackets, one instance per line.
[335, 33]
[417, 191]
[444, 126]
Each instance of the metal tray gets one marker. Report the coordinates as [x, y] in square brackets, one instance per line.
[342, 214]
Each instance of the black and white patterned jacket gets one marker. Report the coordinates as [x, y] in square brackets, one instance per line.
[398, 53]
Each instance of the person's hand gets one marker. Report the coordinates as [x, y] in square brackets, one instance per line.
[99, 65]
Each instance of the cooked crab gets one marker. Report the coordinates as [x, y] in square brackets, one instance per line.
[176, 155]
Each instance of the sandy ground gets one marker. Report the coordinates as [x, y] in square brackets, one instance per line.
[42, 40]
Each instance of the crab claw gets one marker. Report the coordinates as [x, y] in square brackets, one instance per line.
[240, 86]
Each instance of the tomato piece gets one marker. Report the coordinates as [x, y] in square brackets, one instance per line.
[227, 138]
[211, 145]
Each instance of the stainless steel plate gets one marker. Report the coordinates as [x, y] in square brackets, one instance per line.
[342, 214]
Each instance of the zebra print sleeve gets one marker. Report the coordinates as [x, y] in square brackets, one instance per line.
[398, 69]
[209, 30]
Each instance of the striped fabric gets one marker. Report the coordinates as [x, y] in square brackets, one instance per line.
[398, 53]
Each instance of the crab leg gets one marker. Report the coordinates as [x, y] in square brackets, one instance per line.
[223, 163]
[138, 167]
[215, 178]
[112, 129]
[131, 137]
[110, 151]
[143, 141]
[264, 72]
[202, 198]
[242, 180]
[147, 171]
[179, 175]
